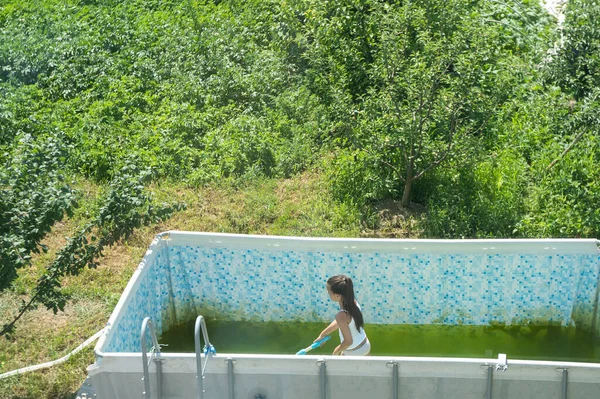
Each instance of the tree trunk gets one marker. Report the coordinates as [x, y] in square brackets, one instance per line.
[406, 195]
[410, 176]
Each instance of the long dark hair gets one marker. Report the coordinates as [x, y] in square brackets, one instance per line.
[343, 286]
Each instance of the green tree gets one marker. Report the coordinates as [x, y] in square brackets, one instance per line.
[433, 78]
[575, 66]
[125, 207]
[33, 196]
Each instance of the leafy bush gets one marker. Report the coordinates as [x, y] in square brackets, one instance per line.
[358, 178]
[484, 199]
[575, 66]
[564, 193]
[241, 144]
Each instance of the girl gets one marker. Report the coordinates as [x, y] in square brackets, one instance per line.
[349, 320]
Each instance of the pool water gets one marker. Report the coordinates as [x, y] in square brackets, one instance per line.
[533, 342]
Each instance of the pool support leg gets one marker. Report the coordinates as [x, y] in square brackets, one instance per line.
[395, 380]
[230, 377]
[564, 383]
[322, 378]
[488, 392]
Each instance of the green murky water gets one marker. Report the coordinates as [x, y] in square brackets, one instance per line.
[530, 342]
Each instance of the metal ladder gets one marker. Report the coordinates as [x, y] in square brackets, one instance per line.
[154, 356]
[208, 351]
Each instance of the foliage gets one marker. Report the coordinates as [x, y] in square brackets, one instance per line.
[521, 28]
[575, 66]
[359, 178]
[157, 82]
[381, 93]
[33, 196]
[126, 207]
[428, 96]
[479, 200]
[564, 191]
[431, 90]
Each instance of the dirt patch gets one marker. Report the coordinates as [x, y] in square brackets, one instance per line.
[395, 221]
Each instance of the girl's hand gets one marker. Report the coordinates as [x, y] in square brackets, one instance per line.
[319, 337]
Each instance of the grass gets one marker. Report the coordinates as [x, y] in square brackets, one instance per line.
[300, 206]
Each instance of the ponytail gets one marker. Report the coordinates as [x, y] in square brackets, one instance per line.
[343, 286]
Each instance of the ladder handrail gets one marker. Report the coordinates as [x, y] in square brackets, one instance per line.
[208, 351]
[156, 357]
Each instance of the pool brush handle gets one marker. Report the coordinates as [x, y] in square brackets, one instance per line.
[313, 346]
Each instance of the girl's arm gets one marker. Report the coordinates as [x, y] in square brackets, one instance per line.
[328, 330]
[343, 322]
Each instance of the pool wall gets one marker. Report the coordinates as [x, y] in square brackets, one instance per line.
[289, 377]
[262, 278]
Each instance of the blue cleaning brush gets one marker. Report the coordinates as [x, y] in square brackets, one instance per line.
[313, 346]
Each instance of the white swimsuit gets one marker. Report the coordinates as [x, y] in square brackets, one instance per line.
[359, 338]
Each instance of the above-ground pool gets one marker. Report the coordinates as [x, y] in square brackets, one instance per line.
[480, 314]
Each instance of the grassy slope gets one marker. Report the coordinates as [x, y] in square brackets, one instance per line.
[298, 206]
